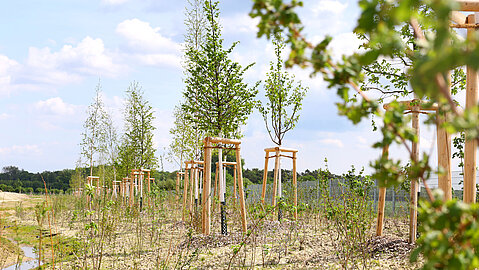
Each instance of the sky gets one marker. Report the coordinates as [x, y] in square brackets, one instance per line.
[53, 54]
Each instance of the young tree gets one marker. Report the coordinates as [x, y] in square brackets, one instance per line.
[111, 144]
[284, 100]
[439, 50]
[187, 138]
[94, 131]
[136, 150]
[185, 141]
[216, 98]
[215, 92]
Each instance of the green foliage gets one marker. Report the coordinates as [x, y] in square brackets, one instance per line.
[284, 98]
[458, 143]
[186, 139]
[136, 150]
[94, 135]
[419, 33]
[216, 98]
[349, 212]
[449, 234]
[13, 179]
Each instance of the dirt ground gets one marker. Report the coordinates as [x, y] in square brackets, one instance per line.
[157, 238]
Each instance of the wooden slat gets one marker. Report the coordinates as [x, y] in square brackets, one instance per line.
[468, 5]
[185, 193]
[414, 183]
[423, 105]
[241, 191]
[295, 186]
[222, 140]
[470, 149]
[206, 210]
[381, 201]
[280, 149]
[265, 178]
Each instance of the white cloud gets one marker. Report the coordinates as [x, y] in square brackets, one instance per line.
[239, 23]
[345, 44]
[20, 149]
[45, 69]
[7, 68]
[142, 37]
[334, 142]
[55, 106]
[331, 6]
[89, 57]
[147, 45]
[4, 116]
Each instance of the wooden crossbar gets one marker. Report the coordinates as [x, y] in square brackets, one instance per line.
[411, 105]
[468, 5]
[281, 149]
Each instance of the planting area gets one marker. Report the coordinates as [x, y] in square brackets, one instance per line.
[107, 234]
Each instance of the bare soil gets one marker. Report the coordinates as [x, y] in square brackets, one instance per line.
[157, 238]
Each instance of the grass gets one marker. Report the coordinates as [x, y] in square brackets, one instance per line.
[107, 234]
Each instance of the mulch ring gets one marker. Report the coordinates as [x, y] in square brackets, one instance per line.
[384, 245]
[213, 240]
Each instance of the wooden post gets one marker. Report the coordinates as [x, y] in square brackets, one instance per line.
[265, 176]
[177, 186]
[206, 211]
[216, 192]
[240, 187]
[185, 191]
[131, 188]
[192, 183]
[444, 155]
[275, 178]
[414, 182]
[470, 148]
[295, 186]
[234, 185]
[382, 201]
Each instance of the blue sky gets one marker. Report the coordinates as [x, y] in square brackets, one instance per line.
[52, 54]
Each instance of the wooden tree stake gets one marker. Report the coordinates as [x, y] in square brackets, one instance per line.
[295, 187]
[265, 177]
[470, 158]
[205, 217]
[240, 187]
[381, 201]
[414, 182]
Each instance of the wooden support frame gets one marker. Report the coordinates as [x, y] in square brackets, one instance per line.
[209, 143]
[136, 185]
[90, 180]
[189, 178]
[179, 176]
[277, 155]
[416, 107]
[471, 22]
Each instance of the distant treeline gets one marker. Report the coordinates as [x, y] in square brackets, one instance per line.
[13, 179]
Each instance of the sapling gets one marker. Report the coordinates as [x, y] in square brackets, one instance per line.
[216, 98]
[284, 101]
[436, 50]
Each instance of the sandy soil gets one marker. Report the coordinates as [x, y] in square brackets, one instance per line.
[158, 239]
[12, 197]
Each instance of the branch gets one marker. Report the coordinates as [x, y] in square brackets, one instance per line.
[439, 80]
